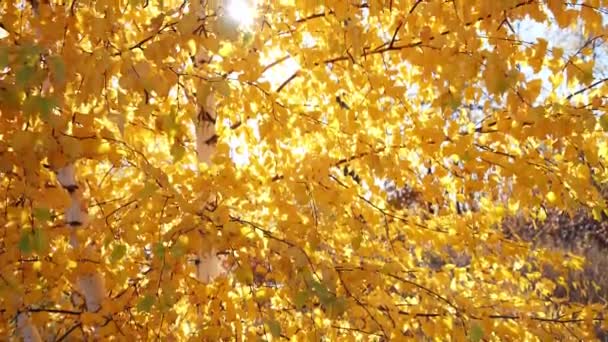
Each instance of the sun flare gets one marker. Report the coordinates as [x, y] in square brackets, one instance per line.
[242, 11]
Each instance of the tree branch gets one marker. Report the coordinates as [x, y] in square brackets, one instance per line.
[592, 85]
[294, 75]
[414, 7]
[57, 311]
[388, 47]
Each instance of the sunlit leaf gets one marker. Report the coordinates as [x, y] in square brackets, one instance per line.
[301, 169]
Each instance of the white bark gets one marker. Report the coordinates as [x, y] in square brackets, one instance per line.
[92, 287]
[77, 215]
[27, 330]
[205, 131]
[210, 266]
[67, 177]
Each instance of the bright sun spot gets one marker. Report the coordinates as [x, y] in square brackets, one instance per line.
[242, 11]
[3, 33]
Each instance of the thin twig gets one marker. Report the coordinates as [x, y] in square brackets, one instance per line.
[592, 85]
[294, 75]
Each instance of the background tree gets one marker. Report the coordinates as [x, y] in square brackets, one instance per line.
[171, 172]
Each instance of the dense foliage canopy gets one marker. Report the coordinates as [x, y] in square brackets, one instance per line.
[207, 170]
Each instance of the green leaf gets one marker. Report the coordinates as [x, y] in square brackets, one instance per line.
[326, 300]
[454, 103]
[30, 54]
[337, 307]
[42, 214]
[39, 241]
[118, 253]
[301, 299]
[40, 105]
[247, 38]
[24, 75]
[325, 297]
[58, 68]
[45, 106]
[476, 333]
[178, 249]
[166, 301]
[146, 303]
[25, 242]
[274, 327]
[159, 250]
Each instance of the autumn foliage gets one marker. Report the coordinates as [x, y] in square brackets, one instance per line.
[170, 172]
